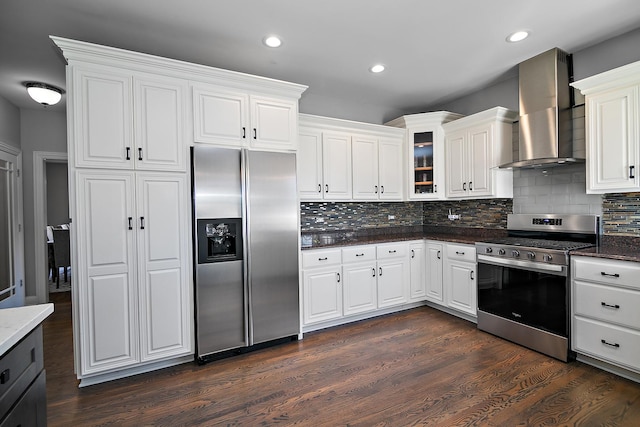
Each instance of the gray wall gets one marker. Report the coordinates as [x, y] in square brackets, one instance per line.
[41, 130]
[57, 194]
[9, 123]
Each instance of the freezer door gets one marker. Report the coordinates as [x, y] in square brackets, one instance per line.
[272, 250]
[217, 183]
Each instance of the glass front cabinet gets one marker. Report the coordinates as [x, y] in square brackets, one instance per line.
[425, 144]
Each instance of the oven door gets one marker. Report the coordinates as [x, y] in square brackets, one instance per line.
[532, 294]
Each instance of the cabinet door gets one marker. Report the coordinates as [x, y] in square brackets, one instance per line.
[359, 289]
[220, 116]
[479, 161]
[310, 165]
[102, 119]
[456, 165]
[418, 276]
[461, 286]
[159, 110]
[434, 273]
[364, 154]
[390, 175]
[322, 294]
[106, 271]
[274, 123]
[612, 141]
[163, 265]
[392, 282]
[336, 166]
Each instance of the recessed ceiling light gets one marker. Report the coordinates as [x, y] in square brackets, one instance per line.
[518, 36]
[272, 41]
[378, 68]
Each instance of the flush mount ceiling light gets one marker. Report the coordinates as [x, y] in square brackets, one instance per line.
[272, 41]
[43, 93]
[517, 36]
[378, 68]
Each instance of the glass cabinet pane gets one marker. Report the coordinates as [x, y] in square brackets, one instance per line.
[423, 162]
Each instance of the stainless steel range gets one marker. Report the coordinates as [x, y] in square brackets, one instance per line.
[523, 280]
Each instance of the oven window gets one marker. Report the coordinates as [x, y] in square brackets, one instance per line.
[533, 298]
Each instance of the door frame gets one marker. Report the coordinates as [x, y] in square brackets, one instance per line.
[40, 159]
[18, 247]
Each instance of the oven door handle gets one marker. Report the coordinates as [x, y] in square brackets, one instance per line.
[558, 270]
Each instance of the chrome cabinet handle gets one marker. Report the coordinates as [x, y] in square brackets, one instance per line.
[604, 304]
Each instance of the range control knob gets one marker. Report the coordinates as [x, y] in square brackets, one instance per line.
[531, 255]
[515, 253]
[488, 250]
[501, 252]
[547, 258]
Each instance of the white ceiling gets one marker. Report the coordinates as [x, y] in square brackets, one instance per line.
[433, 50]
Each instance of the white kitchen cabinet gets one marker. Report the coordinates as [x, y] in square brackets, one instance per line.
[237, 118]
[376, 166]
[605, 315]
[612, 102]
[418, 271]
[393, 274]
[425, 153]
[360, 279]
[459, 278]
[133, 276]
[127, 120]
[474, 147]
[434, 269]
[321, 285]
[343, 161]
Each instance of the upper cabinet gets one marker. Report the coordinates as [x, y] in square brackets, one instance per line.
[613, 129]
[344, 160]
[425, 153]
[241, 119]
[474, 148]
[127, 120]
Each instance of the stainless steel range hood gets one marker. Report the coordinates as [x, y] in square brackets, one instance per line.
[546, 124]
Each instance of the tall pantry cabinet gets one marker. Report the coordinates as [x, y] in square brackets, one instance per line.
[131, 120]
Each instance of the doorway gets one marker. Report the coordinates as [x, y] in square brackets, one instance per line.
[43, 164]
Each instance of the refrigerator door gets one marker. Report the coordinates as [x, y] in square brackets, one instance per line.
[272, 245]
[221, 316]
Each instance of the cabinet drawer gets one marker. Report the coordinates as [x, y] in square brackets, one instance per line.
[611, 343]
[616, 305]
[461, 252]
[19, 366]
[613, 272]
[391, 250]
[321, 258]
[359, 253]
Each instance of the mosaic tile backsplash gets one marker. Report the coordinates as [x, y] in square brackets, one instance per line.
[328, 216]
[621, 214]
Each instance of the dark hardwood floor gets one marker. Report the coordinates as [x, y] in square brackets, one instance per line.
[419, 367]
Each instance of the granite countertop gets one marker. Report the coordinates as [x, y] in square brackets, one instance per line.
[328, 239]
[16, 323]
[624, 248]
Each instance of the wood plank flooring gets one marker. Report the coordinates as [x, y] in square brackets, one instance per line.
[419, 367]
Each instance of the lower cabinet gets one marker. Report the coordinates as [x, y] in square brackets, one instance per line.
[417, 271]
[393, 274]
[134, 287]
[434, 262]
[459, 277]
[605, 317]
[322, 285]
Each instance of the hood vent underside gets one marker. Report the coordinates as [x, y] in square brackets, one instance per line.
[546, 122]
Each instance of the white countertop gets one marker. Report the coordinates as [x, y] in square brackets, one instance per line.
[16, 323]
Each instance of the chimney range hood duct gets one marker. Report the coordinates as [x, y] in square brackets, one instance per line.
[546, 123]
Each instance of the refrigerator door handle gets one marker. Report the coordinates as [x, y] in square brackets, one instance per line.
[246, 220]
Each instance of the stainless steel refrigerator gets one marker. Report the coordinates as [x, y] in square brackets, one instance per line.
[246, 248]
